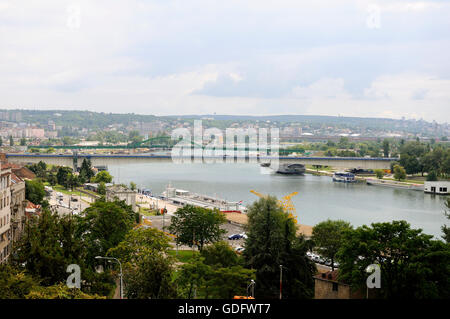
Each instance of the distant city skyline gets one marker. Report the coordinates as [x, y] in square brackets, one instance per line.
[356, 58]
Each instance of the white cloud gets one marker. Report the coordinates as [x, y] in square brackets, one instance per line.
[254, 56]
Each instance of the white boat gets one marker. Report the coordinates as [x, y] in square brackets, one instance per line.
[344, 177]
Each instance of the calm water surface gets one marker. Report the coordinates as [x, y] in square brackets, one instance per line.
[319, 197]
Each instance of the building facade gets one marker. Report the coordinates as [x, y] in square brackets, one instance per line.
[121, 193]
[5, 213]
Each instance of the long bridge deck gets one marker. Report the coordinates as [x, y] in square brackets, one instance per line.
[123, 159]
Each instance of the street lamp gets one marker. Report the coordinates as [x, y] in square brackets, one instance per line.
[121, 275]
[252, 284]
[281, 280]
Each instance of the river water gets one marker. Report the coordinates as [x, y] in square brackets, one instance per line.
[319, 197]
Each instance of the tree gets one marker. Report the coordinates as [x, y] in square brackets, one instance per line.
[432, 176]
[328, 237]
[139, 242]
[379, 173]
[151, 279]
[86, 170]
[399, 172]
[101, 188]
[103, 226]
[132, 186]
[445, 229]
[34, 191]
[15, 283]
[1, 141]
[148, 268]
[220, 254]
[271, 242]
[103, 176]
[48, 246]
[386, 148]
[23, 141]
[63, 175]
[197, 225]
[60, 291]
[192, 277]
[134, 137]
[412, 264]
[11, 141]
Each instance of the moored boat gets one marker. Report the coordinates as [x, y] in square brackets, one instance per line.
[344, 177]
[291, 169]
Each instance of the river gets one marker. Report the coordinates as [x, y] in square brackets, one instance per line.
[319, 197]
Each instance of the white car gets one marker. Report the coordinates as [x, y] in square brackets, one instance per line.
[244, 235]
[239, 250]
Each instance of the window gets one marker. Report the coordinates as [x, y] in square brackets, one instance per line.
[335, 286]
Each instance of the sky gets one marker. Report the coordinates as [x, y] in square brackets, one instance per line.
[382, 58]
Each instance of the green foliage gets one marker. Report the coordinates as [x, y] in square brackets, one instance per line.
[104, 226]
[220, 254]
[23, 141]
[140, 242]
[132, 186]
[386, 148]
[379, 173]
[86, 172]
[101, 188]
[15, 283]
[399, 172]
[34, 191]
[272, 242]
[197, 225]
[11, 141]
[412, 264]
[151, 278]
[48, 246]
[103, 176]
[63, 175]
[432, 176]
[147, 266]
[60, 291]
[445, 229]
[328, 237]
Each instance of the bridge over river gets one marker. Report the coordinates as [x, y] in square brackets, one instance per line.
[75, 160]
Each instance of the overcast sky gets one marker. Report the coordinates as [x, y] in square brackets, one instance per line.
[384, 58]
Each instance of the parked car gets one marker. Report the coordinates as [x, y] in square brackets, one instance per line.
[336, 264]
[234, 237]
[244, 235]
[239, 250]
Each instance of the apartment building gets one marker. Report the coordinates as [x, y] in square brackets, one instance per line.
[5, 213]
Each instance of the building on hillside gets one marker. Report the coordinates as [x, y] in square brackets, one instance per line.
[121, 193]
[328, 286]
[5, 213]
[437, 187]
[18, 205]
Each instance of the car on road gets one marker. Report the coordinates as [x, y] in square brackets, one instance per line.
[234, 237]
